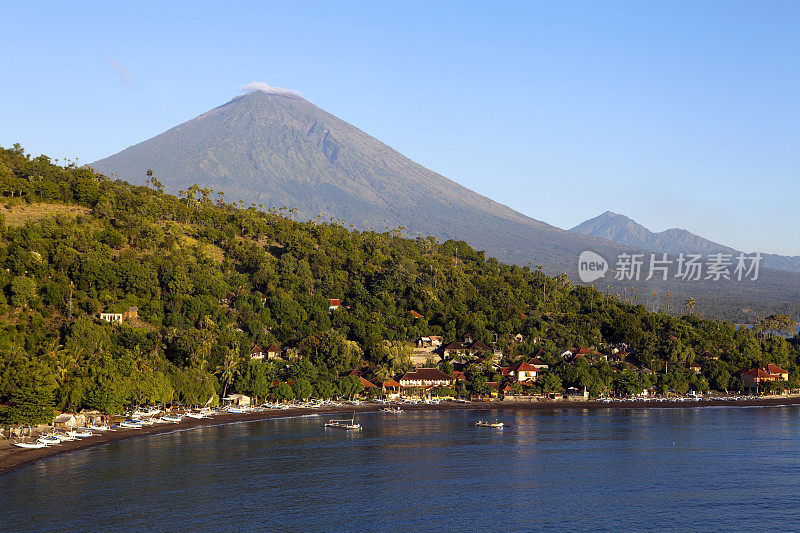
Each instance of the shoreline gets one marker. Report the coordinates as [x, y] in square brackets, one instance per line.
[13, 458]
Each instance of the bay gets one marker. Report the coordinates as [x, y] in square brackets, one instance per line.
[708, 469]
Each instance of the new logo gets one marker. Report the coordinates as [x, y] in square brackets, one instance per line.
[591, 266]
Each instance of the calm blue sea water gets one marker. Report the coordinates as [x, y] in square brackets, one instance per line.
[709, 469]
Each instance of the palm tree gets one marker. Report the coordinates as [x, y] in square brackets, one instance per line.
[65, 363]
[227, 370]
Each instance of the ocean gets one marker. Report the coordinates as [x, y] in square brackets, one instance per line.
[706, 469]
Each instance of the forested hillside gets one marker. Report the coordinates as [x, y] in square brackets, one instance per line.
[210, 280]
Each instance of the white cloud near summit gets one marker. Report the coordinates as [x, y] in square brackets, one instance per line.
[121, 70]
[265, 87]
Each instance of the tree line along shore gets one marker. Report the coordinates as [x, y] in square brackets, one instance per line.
[113, 295]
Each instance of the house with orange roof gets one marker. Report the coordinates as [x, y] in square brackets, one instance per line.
[522, 371]
[755, 377]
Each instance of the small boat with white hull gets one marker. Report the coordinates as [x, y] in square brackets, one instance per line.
[80, 433]
[487, 424]
[49, 440]
[348, 423]
[31, 445]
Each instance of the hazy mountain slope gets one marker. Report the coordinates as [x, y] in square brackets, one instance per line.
[623, 230]
[281, 150]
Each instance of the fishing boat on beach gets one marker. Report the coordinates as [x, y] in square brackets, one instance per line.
[483, 424]
[80, 433]
[348, 423]
[395, 409]
[146, 412]
[49, 440]
[130, 424]
[174, 419]
[30, 445]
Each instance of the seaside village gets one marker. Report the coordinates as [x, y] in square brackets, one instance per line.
[439, 370]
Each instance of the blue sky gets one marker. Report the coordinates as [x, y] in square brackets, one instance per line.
[677, 114]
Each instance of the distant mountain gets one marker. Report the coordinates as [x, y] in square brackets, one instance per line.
[275, 150]
[281, 150]
[623, 230]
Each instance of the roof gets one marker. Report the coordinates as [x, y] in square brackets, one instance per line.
[388, 383]
[536, 361]
[415, 314]
[457, 346]
[524, 366]
[367, 384]
[256, 349]
[273, 348]
[426, 374]
[335, 301]
[458, 375]
[478, 345]
[774, 369]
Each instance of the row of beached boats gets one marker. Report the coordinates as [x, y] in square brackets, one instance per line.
[135, 420]
[54, 438]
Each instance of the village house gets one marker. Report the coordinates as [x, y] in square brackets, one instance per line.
[119, 318]
[425, 377]
[239, 400]
[273, 352]
[522, 371]
[256, 352]
[754, 377]
[69, 421]
[456, 349]
[114, 318]
[335, 304]
[390, 387]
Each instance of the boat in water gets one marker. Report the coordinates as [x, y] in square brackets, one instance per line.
[484, 424]
[348, 423]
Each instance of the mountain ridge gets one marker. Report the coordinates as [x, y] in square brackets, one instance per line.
[622, 229]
